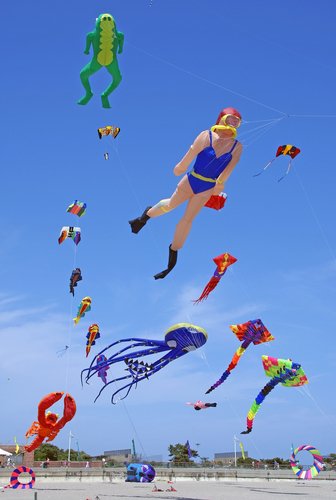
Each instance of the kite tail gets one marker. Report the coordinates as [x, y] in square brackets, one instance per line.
[261, 171]
[287, 171]
[219, 382]
[236, 357]
[208, 289]
[257, 403]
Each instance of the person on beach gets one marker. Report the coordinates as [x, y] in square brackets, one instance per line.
[217, 152]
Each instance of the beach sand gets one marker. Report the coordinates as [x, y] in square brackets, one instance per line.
[186, 490]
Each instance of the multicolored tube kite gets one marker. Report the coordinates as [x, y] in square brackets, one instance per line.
[282, 371]
[253, 331]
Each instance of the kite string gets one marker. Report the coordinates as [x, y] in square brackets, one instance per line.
[206, 80]
[130, 420]
[215, 84]
[251, 439]
[260, 132]
[140, 207]
[304, 391]
[315, 217]
[310, 116]
[134, 428]
[238, 418]
[70, 329]
[265, 127]
[265, 123]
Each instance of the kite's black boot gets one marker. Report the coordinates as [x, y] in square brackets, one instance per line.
[139, 222]
[171, 264]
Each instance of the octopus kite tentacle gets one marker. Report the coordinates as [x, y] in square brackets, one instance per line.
[114, 359]
[178, 341]
[156, 368]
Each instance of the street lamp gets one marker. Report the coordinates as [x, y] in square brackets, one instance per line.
[70, 437]
[235, 439]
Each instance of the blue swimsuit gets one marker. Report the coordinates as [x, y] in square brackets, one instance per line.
[208, 167]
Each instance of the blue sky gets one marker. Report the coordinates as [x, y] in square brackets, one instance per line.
[182, 63]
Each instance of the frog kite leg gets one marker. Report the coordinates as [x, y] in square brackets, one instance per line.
[106, 42]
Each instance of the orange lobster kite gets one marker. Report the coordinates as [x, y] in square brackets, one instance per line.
[48, 425]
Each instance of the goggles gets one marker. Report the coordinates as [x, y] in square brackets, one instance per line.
[231, 120]
[228, 122]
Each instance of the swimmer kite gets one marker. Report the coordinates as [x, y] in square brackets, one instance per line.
[216, 153]
[179, 339]
[281, 371]
[250, 332]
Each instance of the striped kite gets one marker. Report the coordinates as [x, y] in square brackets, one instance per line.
[83, 308]
[70, 232]
[92, 336]
[281, 371]
[253, 331]
[108, 130]
[286, 149]
[222, 262]
[77, 208]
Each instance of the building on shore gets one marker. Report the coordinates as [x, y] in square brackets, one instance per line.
[119, 456]
[228, 457]
[21, 458]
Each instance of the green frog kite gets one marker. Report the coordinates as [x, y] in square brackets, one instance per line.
[106, 43]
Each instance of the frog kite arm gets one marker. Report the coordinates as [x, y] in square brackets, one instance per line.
[106, 43]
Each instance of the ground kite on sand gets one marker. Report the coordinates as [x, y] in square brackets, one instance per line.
[311, 472]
